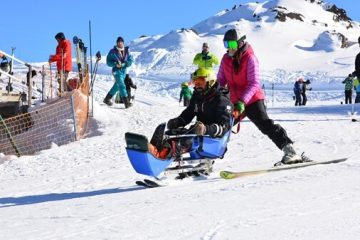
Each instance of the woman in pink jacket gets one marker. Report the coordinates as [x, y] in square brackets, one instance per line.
[239, 70]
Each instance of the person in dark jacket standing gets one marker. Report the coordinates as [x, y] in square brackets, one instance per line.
[357, 64]
[239, 71]
[298, 88]
[305, 87]
[349, 84]
[63, 60]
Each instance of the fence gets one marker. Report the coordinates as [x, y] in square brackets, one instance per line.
[59, 122]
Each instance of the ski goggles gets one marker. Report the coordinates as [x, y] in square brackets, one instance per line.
[231, 44]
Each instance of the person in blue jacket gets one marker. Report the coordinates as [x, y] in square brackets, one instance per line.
[298, 91]
[119, 58]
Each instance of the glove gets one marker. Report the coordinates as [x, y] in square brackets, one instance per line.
[135, 87]
[199, 128]
[215, 130]
[240, 107]
[118, 65]
[174, 123]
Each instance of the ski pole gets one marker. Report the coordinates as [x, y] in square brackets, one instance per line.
[93, 74]
[133, 96]
[51, 80]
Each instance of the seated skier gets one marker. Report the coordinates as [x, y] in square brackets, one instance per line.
[213, 111]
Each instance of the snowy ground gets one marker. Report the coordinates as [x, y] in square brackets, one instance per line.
[86, 190]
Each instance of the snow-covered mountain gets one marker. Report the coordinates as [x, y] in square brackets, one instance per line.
[86, 190]
[287, 35]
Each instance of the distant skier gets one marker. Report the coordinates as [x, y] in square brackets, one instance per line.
[205, 59]
[185, 94]
[128, 84]
[305, 87]
[298, 88]
[349, 84]
[357, 64]
[239, 70]
[119, 58]
[63, 60]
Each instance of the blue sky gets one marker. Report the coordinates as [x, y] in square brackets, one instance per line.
[30, 26]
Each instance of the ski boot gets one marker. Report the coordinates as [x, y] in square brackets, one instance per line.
[107, 100]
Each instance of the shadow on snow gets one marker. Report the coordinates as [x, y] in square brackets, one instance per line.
[34, 199]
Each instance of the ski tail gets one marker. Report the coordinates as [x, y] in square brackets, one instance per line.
[232, 175]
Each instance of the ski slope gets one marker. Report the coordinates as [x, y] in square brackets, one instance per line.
[86, 189]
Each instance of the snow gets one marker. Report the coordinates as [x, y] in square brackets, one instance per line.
[86, 189]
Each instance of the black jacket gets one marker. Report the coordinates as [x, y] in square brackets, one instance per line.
[213, 108]
[128, 82]
[357, 66]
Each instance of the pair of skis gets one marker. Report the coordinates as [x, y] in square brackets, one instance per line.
[80, 51]
[233, 174]
[148, 183]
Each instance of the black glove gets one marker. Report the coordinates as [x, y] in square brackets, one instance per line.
[135, 87]
[215, 130]
[174, 123]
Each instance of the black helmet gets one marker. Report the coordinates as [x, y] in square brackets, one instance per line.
[119, 39]
[233, 35]
[60, 36]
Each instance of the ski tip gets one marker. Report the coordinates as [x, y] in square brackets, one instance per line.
[227, 175]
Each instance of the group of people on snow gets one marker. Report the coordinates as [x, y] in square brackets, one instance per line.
[300, 88]
[118, 58]
[352, 82]
[234, 93]
[206, 60]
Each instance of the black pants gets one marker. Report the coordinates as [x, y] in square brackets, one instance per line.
[348, 96]
[186, 102]
[257, 114]
[357, 98]
[304, 99]
[297, 98]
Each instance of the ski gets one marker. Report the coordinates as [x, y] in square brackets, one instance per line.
[232, 175]
[148, 183]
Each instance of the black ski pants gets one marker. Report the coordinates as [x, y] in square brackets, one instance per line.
[257, 114]
[348, 96]
[298, 99]
[304, 98]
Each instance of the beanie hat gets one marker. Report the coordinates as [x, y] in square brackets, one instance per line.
[60, 36]
[233, 35]
[119, 39]
[205, 44]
